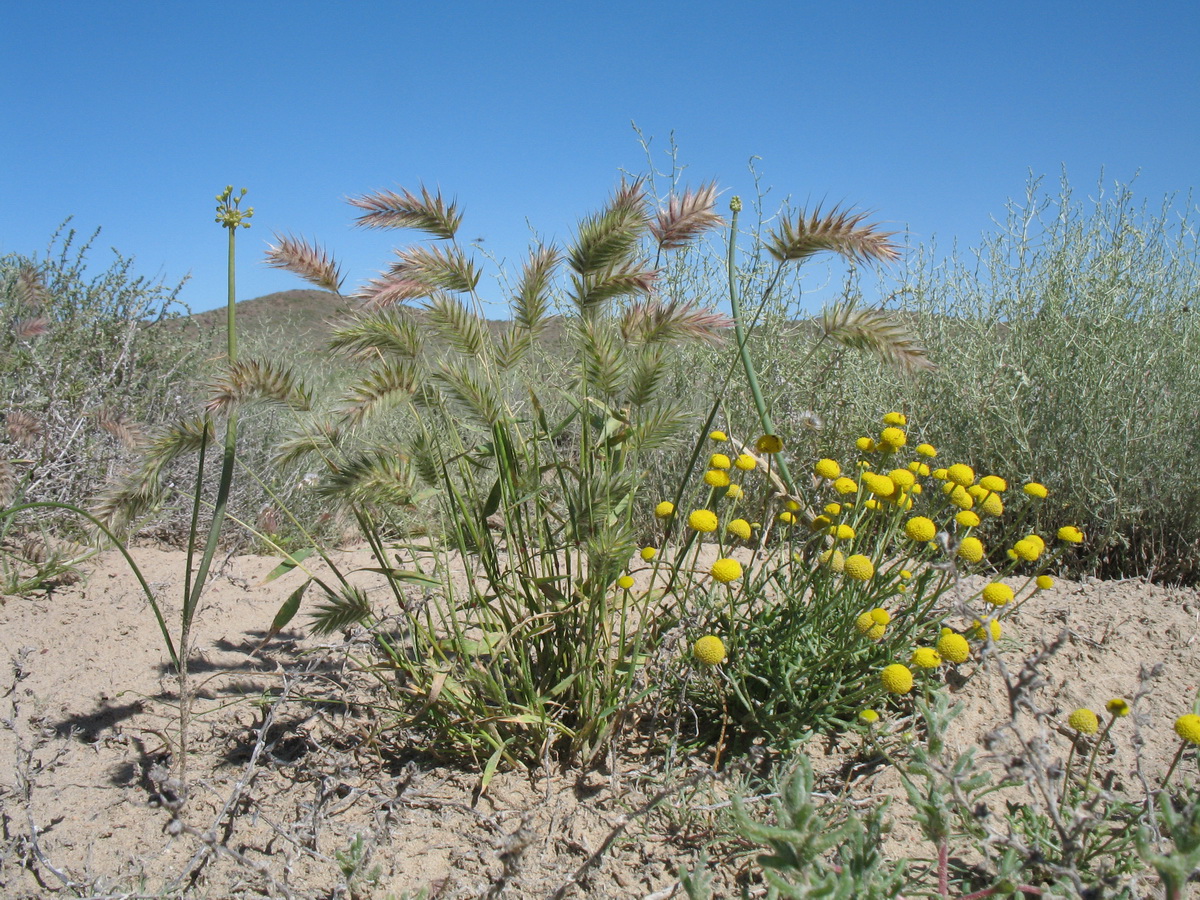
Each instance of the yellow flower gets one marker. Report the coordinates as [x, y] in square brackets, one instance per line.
[833, 509]
[920, 529]
[1188, 727]
[865, 444]
[716, 478]
[792, 506]
[836, 560]
[977, 491]
[739, 528]
[827, 468]
[998, 594]
[709, 650]
[846, 486]
[1026, 549]
[926, 450]
[868, 717]
[665, 509]
[879, 485]
[1045, 582]
[726, 570]
[926, 658]
[896, 678]
[841, 532]
[895, 418]
[746, 462]
[880, 616]
[864, 623]
[971, 549]
[877, 633]
[718, 436]
[992, 505]
[1037, 540]
[733, 492]
[625, 582]
[719, 461]
[1084, 721]
[768, 443]
[959, 497]
[893, 438]
[993, 625]
[1070, 534]
[941, 474]
[859, 567]
[820, 522]
[1118, 707]
[648, 553]
[1033, 489]
[993, 483]
[954, 647]
[905, 574]
[702, 520]
[966, 518]
[961, 474]
[902, 478]
[786, 518]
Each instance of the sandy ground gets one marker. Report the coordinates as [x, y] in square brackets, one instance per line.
[88, 716]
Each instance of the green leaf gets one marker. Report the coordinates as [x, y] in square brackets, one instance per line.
[407, 575]
[290, 563]
[286, 613]
[490, 769]
[493, 500]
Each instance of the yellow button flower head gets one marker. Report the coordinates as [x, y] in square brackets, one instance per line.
[993, 483]
[876, 634]
[842, 532]
[865, 444]
[998, 594]
[726, 570]
[1188, 727]
[895, 418]
[625, 582]
[859, 567]
[648, 553]
[1070, 534]
[881, 616]
[896, 678]
[926, 658]
[1027, 550]
[868, 717]
[746, 462]
[827, 468]
[836, 560]
[739, 528]
[768, 443]
[959, 497]
[1045, 582]
[719, 461]
[902, 477]
[1117, 707]
[892, 438]
[665, 509]
[733, 492]
[961, 474]
[709, 650]
[792, 506]
[993, 625]
[716, 478]
[920, 529]
[970, 549]
[926, 450]
[718, 436]
[864, 623]
[992, 505]
[941, 474]
[1084, 721]
[703, 520]
[954, 648]
[820, 522]
[977, 491]
[879, 485]
[905, 574]
[833, 509]
[846, 486]
[1037, 540]
[1033, 489]
[966, 518]
[786, 518]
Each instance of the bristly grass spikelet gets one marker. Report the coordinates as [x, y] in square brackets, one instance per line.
[249, 380]
[652, 321]
[428, 213]
[463, 386]
[531, 304]
[593, 292]
[838, 231]
[8, 482]
[449, 269]
[457, 325]
[309, 261]
[31, 291]
[389, 331]
[876, 330]
[120, 426]
[318, 437]
[23, 428]
[387, 383]
[374, 477]
[383, 292]
[686, 217]
[347, 608]
[607, 238]
[30, 328]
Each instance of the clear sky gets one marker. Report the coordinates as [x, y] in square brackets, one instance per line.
[133, 115]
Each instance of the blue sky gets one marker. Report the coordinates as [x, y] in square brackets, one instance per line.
[133, 115]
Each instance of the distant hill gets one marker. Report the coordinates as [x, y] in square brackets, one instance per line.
[303, 316]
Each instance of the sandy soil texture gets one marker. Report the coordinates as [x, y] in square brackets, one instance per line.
[87, 703]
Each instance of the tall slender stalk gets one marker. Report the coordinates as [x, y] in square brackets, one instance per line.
[229, 216]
